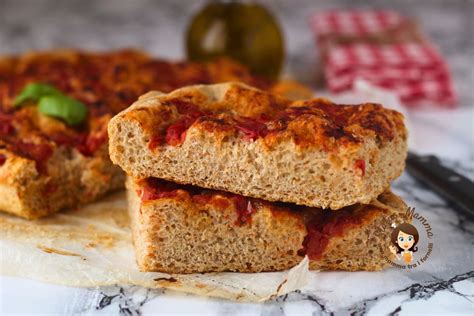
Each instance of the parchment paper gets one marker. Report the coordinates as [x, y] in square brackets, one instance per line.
[92, 246]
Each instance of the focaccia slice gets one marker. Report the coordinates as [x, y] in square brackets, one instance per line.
[186, 229]
[47, 165]
[239, 139]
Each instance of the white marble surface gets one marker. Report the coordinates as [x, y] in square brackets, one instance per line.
[445, 285]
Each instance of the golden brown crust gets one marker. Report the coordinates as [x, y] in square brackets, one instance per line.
[243, 140]
[106, 83]
[253, 114]
[354, 238]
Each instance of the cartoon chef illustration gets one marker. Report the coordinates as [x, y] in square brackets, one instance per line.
[404, 239]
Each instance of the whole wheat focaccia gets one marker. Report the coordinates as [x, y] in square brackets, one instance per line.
[239, 139]
[186, 229]
[47, 165]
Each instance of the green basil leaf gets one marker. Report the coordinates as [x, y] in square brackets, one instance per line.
[62, 107]
[34, 91]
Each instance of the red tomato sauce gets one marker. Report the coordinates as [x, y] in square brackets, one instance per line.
[153, 189]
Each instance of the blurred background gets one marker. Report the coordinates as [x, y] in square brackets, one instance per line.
[159, 27]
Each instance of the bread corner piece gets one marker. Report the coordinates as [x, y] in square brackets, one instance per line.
[239, 139]
[64, 178]
[185, 229]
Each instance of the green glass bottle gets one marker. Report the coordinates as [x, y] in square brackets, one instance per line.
[244, 31]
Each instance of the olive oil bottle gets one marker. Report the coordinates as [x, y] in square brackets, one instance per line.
[244, 31]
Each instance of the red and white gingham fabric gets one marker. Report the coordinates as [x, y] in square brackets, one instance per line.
[355, 23]
[371, 56]
[416, 72]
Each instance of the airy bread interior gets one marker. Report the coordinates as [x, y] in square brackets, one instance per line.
[179, 236]
[285, 172]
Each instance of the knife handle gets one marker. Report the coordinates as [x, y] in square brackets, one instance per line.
[454, 187]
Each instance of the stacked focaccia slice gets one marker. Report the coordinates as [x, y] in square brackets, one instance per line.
[227, 177]
[47, 165]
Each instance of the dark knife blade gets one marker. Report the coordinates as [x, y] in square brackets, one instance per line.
[452, 186]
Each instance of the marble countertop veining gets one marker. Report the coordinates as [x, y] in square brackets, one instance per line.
[449, 291]
[443, 285]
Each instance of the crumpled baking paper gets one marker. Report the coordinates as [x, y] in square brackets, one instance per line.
[92, 246]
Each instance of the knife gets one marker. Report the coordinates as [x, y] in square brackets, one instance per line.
[452, 186]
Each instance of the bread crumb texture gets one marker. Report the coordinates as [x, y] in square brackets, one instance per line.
[240, 139]
[184, 229]
[46, 165]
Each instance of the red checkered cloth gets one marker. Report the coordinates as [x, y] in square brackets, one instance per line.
[416, 72]
[385, 49]
[336, 27]
[355, 23]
